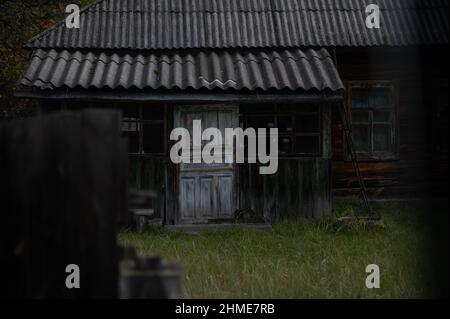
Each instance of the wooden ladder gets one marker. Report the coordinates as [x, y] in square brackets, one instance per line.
[349, 140]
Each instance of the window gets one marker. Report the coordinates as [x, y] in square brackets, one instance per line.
[372, 115]
[143, 125]
[299, 126]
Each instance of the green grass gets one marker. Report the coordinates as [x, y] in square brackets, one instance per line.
[300, 259]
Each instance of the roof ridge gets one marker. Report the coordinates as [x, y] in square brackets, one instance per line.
[45, 32]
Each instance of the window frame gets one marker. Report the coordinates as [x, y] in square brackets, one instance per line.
[372, 155]
[141, 122]
[292, 111]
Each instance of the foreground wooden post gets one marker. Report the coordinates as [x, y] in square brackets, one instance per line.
[149, 278]
[62, 194]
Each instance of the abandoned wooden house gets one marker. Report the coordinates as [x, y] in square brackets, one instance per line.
[299, 65]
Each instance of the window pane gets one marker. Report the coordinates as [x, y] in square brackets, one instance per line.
[360, 116]
[361, 138]
[129, 126]
[360, 98]
[381, 137]
[307, 145]
[285, 144]
[307, 123]
[376, 97]
[261, 122]
[153, 112]
[381, 116]
[380, 97]
[293, 123]
[285, 124]
[153, 138]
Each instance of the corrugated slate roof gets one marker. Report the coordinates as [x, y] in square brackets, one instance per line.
[267, 69]
[172, 24]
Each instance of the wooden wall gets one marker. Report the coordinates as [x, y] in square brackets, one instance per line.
[305, 187]
[300, 188]
[152, 178]
[417, 171]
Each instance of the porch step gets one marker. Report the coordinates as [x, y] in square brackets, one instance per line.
[194, 228]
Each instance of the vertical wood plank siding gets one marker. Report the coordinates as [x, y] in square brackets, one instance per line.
[300, 188]
[149, 174]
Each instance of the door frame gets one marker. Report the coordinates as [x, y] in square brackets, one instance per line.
[177, 109]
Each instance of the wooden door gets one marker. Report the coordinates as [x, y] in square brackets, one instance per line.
[206, 191]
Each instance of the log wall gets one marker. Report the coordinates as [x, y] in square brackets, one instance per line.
[418, 170]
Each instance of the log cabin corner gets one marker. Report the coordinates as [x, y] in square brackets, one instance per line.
[290, 64]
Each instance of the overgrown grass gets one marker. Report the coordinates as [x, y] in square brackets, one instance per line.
[301, 259]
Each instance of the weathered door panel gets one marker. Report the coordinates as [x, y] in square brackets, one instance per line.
[206, 191]
[187, 196]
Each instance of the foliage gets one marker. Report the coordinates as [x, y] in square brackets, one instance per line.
[20, 20]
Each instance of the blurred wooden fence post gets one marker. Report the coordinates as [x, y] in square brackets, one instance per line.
[149, 277]
[63, 189]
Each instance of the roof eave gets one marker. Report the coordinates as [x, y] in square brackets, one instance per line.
[255, 98]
